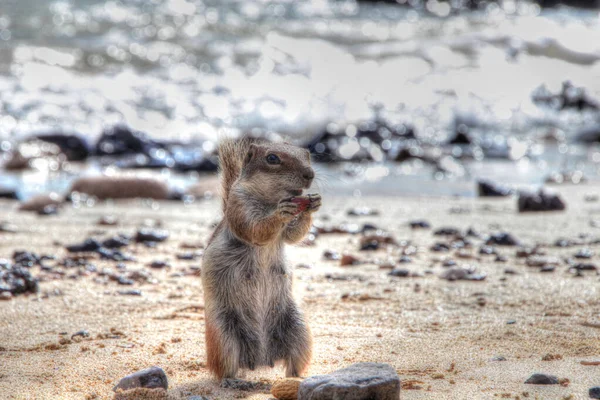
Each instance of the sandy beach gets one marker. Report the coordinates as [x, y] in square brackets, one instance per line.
[443, 337]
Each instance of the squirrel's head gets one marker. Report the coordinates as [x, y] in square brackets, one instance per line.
[275, 171]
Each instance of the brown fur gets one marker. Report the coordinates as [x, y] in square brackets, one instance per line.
[213, 350]
[251, 316]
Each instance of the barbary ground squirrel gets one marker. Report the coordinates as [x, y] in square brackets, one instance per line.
[251, 317]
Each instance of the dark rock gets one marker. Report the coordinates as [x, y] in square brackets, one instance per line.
[490, 189]
[150, 378]
[82, 333]
[131, 292]
[120, 140]
[48, 210]
[487, 250]
[375, 241]
[564, 243]
[7, 228]
[498, 358]
[9, 193]
[548, 268]
[447, 231]
[188, 256]
[461, 136]
[584, 253]
[25, 258]
[151, 235]
[86, 246]
[467, 274]
[500, 258]
[420, 224]
[362, 381]
[114, 255]
[541, 201]
[369, 141]
[16, 279]
[362, 211]
[195, 160]
[585, 267]
[472, 232]
[594, 392]
[449, 263]
[404, 260]
[159, 264]
[331, 255]
[542, 379]
[74, 146]
[590, 134]
[116, 242]
[502, 239]
[108, 220]
[440, 247]
[400, 273]
[369, 245]
[570, 96]
[125, 281]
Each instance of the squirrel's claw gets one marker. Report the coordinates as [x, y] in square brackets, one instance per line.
[315, 202]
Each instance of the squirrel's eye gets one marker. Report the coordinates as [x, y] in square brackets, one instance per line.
[273, 159]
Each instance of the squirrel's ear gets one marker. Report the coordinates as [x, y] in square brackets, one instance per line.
[251, 153]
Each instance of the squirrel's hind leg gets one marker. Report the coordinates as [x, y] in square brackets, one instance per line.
[231, 343]
[222, 359]
[290, 340]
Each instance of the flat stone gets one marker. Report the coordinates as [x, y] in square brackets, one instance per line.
[503, 239]
[151, 378]
[360, 381]
[542, 379]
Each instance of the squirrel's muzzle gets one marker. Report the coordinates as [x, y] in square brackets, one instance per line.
[308, 176]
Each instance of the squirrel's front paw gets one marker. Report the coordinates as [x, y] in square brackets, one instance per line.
[309, 203]
[315, 202]
[288, 209]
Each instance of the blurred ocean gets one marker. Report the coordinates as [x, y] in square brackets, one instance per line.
[196, 70]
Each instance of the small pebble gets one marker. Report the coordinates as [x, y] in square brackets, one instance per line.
[348, 259]
[151, 235]
[584, 253]
[132, 292]
[502, 239]
[594, 392]
[82, 333]
[157, 264]
[331, 255]
[542, 379]
[548, 268]
[150, 378]
[399, 272]
[420, 224]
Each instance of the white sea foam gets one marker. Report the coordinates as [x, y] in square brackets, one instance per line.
[190, 68]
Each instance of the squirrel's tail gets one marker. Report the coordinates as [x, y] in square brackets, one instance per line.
[232, 153]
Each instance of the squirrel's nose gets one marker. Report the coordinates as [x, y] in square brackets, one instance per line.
[308, 174]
